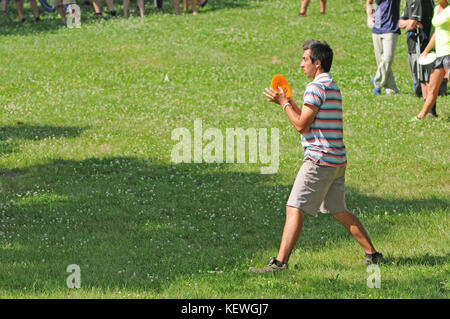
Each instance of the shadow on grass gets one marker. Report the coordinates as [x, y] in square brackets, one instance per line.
[138, 225]
[51, 22]
[12, 135]
[423, 260]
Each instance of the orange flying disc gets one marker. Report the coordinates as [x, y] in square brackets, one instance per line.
[280, 81]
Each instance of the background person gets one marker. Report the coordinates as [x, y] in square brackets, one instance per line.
[60, 7]
[320, 183]
[416, 19]
[305, 4]
[194, 6]
[20, 9]
[176, 5]
[4, 6]
[126, 6]
[97, 4]
[385, 31]
[440, 39]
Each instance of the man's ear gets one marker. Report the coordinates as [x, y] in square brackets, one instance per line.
[318, 64]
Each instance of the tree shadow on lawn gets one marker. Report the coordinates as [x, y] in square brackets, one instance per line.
[12, 135]
[214, 5]
[139, 225]
[51, 22]
[425, 260]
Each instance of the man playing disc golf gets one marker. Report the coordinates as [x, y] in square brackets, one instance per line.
[320, 183]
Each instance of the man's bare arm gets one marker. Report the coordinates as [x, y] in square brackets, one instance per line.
[300, 119]
[369, 13]
[409, 24]
[302, 122]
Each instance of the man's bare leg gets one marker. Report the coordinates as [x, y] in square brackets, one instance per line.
[291, 232]
[356, 229]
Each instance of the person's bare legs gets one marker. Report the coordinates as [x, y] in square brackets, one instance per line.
[4, 6]
[194, 6]
[140, 4]
[356, 229]
[436, 77]
[20, 10]
[35, 9]
[97, 4]
[304, 7]
[291, 233]
[176, 6]
[110, 4]
[62, 12]
[323, 5]
[126, 5]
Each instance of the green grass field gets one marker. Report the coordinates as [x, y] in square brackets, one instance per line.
[86, 175]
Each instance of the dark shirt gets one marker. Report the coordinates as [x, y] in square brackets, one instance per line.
[421, 11]
[386, 17]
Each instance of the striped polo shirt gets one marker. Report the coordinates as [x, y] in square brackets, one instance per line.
[324, 143]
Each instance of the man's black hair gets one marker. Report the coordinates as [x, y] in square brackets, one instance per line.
[320, 51]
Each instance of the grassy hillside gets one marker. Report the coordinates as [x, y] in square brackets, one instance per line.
[86, 175]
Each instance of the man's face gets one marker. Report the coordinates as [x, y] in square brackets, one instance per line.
[309, 68]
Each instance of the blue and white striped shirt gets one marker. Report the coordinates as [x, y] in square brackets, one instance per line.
[324, 143]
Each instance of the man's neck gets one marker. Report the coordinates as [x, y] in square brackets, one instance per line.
[319, 72]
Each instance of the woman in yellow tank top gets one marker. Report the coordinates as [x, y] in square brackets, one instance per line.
[440, 38]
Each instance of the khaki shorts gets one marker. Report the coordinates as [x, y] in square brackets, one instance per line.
[319, 187]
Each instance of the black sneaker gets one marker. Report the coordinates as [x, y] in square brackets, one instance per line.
[375, 258]
[203, 3]
[273, 266]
